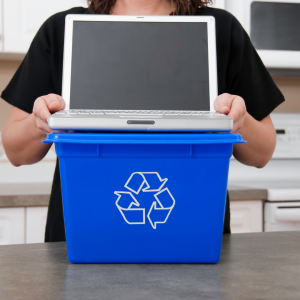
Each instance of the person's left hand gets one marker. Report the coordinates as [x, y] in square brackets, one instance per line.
[234, 107]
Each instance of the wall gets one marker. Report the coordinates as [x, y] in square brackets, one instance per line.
[7, 70]
[290, 87]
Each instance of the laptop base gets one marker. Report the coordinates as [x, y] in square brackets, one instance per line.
[205, 122]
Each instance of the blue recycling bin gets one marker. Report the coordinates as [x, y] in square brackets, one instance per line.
[144, 197]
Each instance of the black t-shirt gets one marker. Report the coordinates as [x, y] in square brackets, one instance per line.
[240, 72]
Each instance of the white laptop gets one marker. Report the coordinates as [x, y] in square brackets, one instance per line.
[140, 73]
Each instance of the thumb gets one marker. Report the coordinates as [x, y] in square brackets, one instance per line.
[54, 107]
[55, 102]
[221, 107]
[223, 103]
[224, 110]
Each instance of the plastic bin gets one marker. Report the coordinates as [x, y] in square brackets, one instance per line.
[144, 198]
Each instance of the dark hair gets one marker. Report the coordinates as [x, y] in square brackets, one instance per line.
[181, 6]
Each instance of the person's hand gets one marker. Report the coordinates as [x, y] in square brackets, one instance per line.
[42, 109]
[234, 107]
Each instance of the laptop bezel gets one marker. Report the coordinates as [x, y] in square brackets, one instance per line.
[68, 43]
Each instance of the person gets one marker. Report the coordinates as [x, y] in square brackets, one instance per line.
[247, 92]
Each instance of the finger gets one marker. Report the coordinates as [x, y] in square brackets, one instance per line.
[238, 111]
[44, 105]
[45, 128]
[59, 131]
[40, 109]
[237, 125]
[223, 103]
[238, 108]
[41, 125]
[54, 102]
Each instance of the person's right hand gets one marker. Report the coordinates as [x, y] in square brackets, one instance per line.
[42, 109]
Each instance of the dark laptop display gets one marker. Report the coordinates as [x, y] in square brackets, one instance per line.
[140, 66]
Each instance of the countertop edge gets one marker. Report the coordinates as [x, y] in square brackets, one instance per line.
[24, 200]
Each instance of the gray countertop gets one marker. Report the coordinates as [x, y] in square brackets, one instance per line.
[38, 194]
[252, 266]
[24, 194]
[26, 188]
[241, 192]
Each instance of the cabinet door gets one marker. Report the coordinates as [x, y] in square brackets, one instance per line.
[23, 18]
[35, 224]
[12, 226]
[282, 216]
[246, 216]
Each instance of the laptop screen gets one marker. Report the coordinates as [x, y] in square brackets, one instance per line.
[140, 66]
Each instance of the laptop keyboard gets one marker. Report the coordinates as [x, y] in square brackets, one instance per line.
[136, 112]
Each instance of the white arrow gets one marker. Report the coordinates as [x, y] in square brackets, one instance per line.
[138, 180]
[154, 182]
[124, 203]
[158, 214]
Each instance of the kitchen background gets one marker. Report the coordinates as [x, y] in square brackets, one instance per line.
[261, 199]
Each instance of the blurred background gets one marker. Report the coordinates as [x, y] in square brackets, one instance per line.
[265, 199]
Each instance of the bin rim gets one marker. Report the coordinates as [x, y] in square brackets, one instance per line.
[144, 138]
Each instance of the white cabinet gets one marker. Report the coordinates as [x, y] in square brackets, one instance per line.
[23, 18]
[246, 216]
[21, 225]
[12, 226]
[282, 216]
[1, 29]
[219, 4]
[36, 218]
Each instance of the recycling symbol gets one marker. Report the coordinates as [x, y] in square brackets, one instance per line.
[160, 199]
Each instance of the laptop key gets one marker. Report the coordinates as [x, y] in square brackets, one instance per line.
[60, 113]
[198, 113]
[171, 114]
[156, 113]
[111, 112]
[97, 113]
[71, 111]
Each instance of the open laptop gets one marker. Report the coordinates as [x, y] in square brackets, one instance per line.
[140, 73]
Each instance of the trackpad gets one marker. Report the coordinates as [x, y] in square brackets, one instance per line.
[140, 122]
